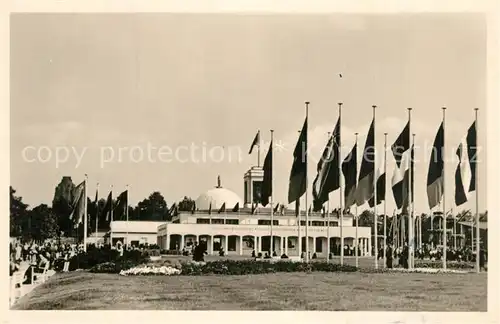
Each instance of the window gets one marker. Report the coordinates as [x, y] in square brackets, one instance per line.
[319, 246]
[334, 224]
[257, 190]
[232, 221]
[318, 223]
[267, 222]
[202, 221]
[217, 221]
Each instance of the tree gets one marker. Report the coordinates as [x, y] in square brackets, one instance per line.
[44, 224]
[186, 204]
[153, 208]
[61, 204]
[18, 214]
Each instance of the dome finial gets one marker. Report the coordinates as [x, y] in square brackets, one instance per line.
[218, 182]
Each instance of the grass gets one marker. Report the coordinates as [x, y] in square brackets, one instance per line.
[281, 291]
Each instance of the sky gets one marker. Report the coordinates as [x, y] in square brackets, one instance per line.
[102, 89]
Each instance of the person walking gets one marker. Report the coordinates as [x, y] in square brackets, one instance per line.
[389, 254]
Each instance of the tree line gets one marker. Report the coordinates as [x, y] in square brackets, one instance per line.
[43, 221]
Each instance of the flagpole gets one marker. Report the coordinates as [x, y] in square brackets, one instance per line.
[356, 207]
[96, 213]
[307, 187]
[341, 211]
[410, 200]
[476, 171]
[385, 200]
[454, 230]
[85, 216]
[111, 217]
[258, 152]
[272, 207]
[413, 231]
[375, 226]
[444, 192]
[299, 229]
[328, 220]
[126, 213]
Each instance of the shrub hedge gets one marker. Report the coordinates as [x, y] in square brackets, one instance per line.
[94, 257]
[245, 267]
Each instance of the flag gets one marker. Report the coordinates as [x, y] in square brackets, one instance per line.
[298, 182]
[327, 179]
[282, 210]
[106, 211]
[401, 145]
[121, 205]
[365, 189]
[380, 191]
[465, 175]
[256, 141]
[96, 203]
[173, 211]
[297, 207]
[78, 204]
[276, 208]
[349, 169]
[435, 179]
[401, 180]
[193, 209]
[397, 187]
[222, 208]
[267, 182]
[254, 208]
[236, 207]
[210, 208]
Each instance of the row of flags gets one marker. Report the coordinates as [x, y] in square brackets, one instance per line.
[362, 188]
[111, 210]
[359, 189]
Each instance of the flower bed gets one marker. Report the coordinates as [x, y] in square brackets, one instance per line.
[429, 270]
[439, 264]
[145, 270]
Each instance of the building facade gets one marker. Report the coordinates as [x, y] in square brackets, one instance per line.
[222, 220]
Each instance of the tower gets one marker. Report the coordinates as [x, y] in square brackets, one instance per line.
[253, 185]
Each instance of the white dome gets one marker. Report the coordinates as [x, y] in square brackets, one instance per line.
[217, 197]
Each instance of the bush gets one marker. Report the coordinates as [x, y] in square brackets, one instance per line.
[246, 267]
[95, 256]
[113, 267]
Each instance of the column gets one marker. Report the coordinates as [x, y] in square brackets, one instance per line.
[241, 245]
[181, 245]
[210, 245]
[370, 246]
[285, 247]
[225, 244]
[363, 246]
[255, 244]
[314, 245]
[259, 245]
[167, 242]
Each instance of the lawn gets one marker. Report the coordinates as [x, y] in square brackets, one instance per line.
[282, 291]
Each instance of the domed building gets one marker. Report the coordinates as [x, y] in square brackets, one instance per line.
[216, 197]
[222, 222]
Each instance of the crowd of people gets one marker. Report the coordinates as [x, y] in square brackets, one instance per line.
[427, 252]
[58, 255]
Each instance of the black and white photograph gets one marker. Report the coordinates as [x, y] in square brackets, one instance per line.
[245, 161]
